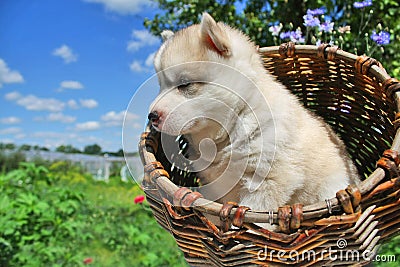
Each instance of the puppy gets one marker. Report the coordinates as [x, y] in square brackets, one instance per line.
[253, 142]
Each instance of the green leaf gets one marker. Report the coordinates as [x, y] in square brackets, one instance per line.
[150, 259]
[5, 243]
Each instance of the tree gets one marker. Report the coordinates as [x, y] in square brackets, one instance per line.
[94, 149]
[40, 148]
[254, 17]
[25, 147]
[8, 146]
[10, 161]
[119, 153]
[67, 149]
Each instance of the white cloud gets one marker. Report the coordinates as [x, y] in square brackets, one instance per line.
[123, 7]
[150, 59]
[139, 66]
[88, 103]
[131, 116]
[32, 102]
[55, 139]
[10, 130]
[72, 104]
[141, 38]
[87, 126]
[58, 116]
[137, 126]
[85, 140]
[56, 135]
[113, 118]
[12, 96]
[65, 53]
[136, 66]
[15, 136]
[20, 136]
[10, 120]
[7, 75]
[61, 117]
[73, 85]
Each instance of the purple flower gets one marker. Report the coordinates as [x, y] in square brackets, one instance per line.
[297, 36]
[362, 4]
[311, 21]
[327, 26]
[316, 12]
[381, 38]
[275, 30]
[284, 35]
[319, 42]
[294, 36]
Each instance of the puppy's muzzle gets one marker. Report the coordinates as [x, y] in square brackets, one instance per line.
[153, 117]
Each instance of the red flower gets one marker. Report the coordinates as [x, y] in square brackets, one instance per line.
[88, 261]
[139, 199]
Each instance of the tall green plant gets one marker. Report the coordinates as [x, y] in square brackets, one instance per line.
[10, 161]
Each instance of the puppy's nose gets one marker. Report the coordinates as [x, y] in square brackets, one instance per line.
[153, 116]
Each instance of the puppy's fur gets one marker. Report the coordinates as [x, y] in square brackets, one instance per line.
[264, 148]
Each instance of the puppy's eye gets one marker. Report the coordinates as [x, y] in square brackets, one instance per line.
[184, 85]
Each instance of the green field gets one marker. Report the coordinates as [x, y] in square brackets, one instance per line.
[54, 214]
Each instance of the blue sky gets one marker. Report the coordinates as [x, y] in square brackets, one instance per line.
[69, 68]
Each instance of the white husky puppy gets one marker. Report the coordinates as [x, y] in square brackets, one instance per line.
[253, 142]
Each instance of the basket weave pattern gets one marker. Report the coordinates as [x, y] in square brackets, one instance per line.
[361, 102]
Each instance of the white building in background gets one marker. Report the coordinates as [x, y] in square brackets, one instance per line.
[98, 166]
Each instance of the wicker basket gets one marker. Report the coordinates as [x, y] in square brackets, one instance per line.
[361, 102]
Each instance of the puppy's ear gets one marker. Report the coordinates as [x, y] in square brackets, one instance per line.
[166, 34]
[215, 36]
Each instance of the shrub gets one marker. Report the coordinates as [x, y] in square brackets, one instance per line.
[49, 217]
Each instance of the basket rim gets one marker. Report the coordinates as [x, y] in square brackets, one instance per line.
[372, 68]
[375, 70]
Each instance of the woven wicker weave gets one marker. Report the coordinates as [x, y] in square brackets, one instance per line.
[361, 102]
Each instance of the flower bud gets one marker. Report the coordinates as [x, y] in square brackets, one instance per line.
[313, 40]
